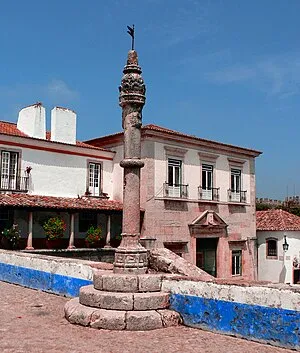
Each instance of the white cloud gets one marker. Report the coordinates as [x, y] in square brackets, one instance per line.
[59, 89]
[277, 75]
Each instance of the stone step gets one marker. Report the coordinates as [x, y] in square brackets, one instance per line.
[79, 314]
[114, 282]
[90, 296]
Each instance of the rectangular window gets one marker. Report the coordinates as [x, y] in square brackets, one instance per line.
[174, 178]
[235, 180]
[94, 179]
[174, 172]
[207, 182]
[236, 269]
[272, 248]
[235, 186]
[9, 167]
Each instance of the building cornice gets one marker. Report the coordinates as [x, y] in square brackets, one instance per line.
[54, 147]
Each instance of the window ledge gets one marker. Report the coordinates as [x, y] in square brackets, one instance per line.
[272, 257]
[172, 199]
[208, 201]
[201, 201]
[238, 203]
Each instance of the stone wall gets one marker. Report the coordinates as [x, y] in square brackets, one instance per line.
[260, 312]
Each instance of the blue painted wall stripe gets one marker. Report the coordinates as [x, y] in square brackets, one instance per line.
[46, 281]
[275, 325]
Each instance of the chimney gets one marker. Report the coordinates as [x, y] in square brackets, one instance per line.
[32, 121]
[63, 125]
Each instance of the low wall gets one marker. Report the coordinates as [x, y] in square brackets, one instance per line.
[51, 274]
[265, 313]
[93, 254]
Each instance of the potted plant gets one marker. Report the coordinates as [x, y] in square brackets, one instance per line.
[93, 236]
[54, 229]
[11, 237]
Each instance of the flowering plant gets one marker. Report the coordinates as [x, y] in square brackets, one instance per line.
[54, 228]
[12, 234]
[93, 235]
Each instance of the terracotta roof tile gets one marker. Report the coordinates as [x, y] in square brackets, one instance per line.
[37, 201]
[277, 220]
[8, 128]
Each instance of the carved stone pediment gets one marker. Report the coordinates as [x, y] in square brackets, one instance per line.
[208, 224]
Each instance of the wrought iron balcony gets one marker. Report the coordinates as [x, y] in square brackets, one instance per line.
[237, 196]
[176, 191]
[13, 183]
[209, 194]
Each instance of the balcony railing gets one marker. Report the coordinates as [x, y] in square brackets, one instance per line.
[13, 183]
[237, 196]
[176, 191]
[209, 194]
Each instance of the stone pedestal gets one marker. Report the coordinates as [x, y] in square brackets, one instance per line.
[130, 260]
[122, 302]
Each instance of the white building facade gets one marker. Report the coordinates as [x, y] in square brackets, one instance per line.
[50, 173]
[198, 197]
[278, 263]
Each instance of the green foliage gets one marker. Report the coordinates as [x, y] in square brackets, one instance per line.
[93, 235]
[263, 207]
[12, 234]
[54, 228]
[294, 210]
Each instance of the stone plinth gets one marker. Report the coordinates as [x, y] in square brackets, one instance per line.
[127, 283]
[122, 302]
[129, 260]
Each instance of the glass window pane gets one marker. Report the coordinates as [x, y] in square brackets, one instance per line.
[170, 175]
[177, 175]
[204, 179]
[209, 180]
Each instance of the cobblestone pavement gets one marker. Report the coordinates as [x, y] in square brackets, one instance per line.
[32, 321]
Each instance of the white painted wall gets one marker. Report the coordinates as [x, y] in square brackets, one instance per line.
[280, 269]
[59, 174]
[284, 297]
[117, 177]
[63, 125]
[32, 121]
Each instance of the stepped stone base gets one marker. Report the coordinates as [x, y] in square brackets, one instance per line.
[122, 302]
[79, 314]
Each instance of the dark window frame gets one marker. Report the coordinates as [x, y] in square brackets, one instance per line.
[272, 252]
[237, 270]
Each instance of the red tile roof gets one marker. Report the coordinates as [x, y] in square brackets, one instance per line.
[37, 201]
[277, 220]
[8, 128]
[153, 127]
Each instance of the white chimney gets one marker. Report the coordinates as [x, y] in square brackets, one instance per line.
[32, 121]
[63, 125]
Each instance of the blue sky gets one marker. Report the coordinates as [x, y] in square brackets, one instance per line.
[225, 70]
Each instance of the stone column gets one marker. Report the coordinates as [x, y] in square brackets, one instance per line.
[30, 226]
[130, 256]
[71, 239]
[107, 241]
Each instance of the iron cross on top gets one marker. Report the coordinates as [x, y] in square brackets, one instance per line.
[131, 33]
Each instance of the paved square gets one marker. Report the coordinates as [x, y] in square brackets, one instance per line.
[33, 321]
